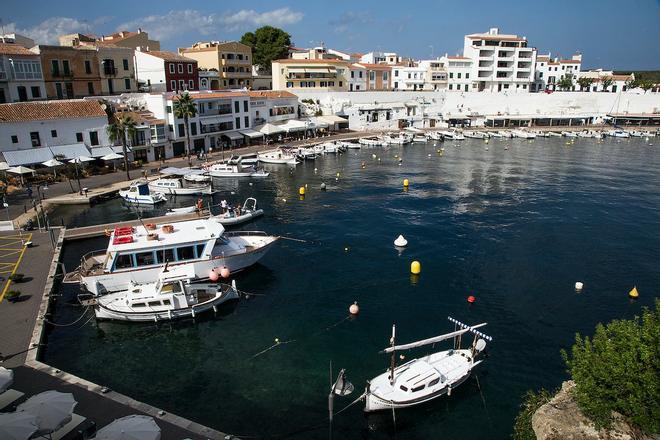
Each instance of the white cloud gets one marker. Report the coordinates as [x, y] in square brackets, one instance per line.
[176, 22]
[351, 21]
[48, 30]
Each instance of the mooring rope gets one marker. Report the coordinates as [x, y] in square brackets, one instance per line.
[70, 324]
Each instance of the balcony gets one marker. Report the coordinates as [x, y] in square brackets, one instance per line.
[58, 74]
[525, 55]
[298, 76]
[218, 111]
[235, 61]
[109, 71]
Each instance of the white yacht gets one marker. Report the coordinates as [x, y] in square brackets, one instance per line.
[277, 156]
[618, 133]
[554, 134]
[475, 135]
[138, 193]
[137, 254]
[523, 134]
[171, 296]
[235, 170]
[420, 138]
[495, 134]
[425, 378]
[176, 186]
[436, 136]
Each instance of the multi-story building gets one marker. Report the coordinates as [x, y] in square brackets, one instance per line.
[208, 79]
[69, 72]
[14, 38]
[272, 106]
[232, 60]
[409, 76]
[380, 58]
[606, 80]
[296, 74]
[549, 71]
[41, 125]
[436, 74]
[132, 40]
[150, 140]
[21, 77]
[500, 62]
[159, 71]
[460, 71]
[357, 81]
[262, 79]
[378, 76]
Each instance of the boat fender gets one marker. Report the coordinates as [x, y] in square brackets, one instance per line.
[213, 275]
[449, 391]
[224, 272]
[354, 309]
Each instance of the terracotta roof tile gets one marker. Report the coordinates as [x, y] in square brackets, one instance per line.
[169, 56]
[15, 49]
[45, 110]
[376, 66]
[215, 95]
[292, 61]
[271, 94]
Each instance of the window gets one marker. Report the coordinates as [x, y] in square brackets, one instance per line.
[396, 73]
[90, 88]
[245, 106]
[165, 255]
[467, 76]
[466, 87]
[341, 84]
[173, 85]
[352, 74]
[182, 131]
[14, 139]
[53, 133]
[153, 303]
[289, 84]
[36, 91]
[125, 64]
[403, 388]
[34, 137]
[79, 137]
[145, 258]
[124, 261]
[200, 250]
[458, 75]
[191, 84]
[167, 302]
[451, 74]
[237, 107]
[24, 69]
[171, 68]
[417, 388]
[450, 86]
[185, 253]
[138, 305]
[169, 109]
[22, 93]
[372, 75]
[180, 68]
[246, 121]
[93, 138]
[182, 84]
[385, 76]
[238, 123]
[190, 68]
[193, 128]
[434, 382]
[127, 83]
[55, 67]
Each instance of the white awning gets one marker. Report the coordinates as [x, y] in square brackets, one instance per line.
[233, 135]
[251, 133]
[292, 125]
[317, 122]
[333, 119]
[40, 155]
[268, 129]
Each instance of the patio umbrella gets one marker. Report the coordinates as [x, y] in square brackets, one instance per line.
[52, 163]
[112, 156]
[51, 408]
[20, 170]
[6, 379]
[81, 159]
[130, 428]
[4, 166]
[17, 425]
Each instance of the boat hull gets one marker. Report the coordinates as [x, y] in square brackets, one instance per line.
[182, 191]
[231, 221]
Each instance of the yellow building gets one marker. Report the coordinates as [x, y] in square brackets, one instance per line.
[231, 59]
[297, 74]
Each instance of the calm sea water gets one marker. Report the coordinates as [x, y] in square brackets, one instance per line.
[515, 225]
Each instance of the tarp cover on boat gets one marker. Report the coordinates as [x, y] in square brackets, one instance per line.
[174, 171]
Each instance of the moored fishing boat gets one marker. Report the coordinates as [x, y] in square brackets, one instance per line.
[426, 378]
[138, 193]
[372, 142]
[618, 133]
[235, 170]
[137, 254]
[277, 156]
[176, 186]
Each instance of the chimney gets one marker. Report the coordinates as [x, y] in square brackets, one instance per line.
[493, 31]
[139, 30]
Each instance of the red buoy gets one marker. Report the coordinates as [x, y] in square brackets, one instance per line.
[471, 299]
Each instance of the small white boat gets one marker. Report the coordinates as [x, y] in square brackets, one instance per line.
[305, 153]
[171, 296]
[234, 170]
[436, 136]
[570, 134]
[183, 210]
[506, 134]
[198, 178]
[474, 135]
[329, 148]
[618, 133]
[371, 142]
[635, 133]
[454, 135]
[420, 138]
[244, 214]
[277, 156]
[554, 134]
[138, 193]
[397, 139]
[585, 134]
[495, 134]
[351, 145]
[523, 134]
[176, 186]
[426, 378]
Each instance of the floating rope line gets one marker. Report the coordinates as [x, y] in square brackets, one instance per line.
[276, 344]
[70, 324]
[484, 401]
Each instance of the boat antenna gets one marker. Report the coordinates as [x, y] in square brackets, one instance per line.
[393, 359]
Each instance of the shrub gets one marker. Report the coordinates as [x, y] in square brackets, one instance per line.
[522, 429]
[16, 277]
[619, 370]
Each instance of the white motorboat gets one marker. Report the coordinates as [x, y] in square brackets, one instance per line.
[176, 186]
[305, 153]
[419, 138]
[182, 210]
[635, 133]
[171, 296]
[137, 254]
[523, 134]
[454, 135]
[138, 193]
[235, 170]
[436, 136]
[329, 148]
[618, 133]
[474, 135]
[351, 145]
[495, 134]
[397, 139]
[372, 142]
[240, 215]
[506, 134]
[423, 379]
[277, 156]
[570, 134]
[198, 177]
[553, 134]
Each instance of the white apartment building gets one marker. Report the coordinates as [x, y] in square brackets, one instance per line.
[549, 71]
[411, 77]
[380, 58]
[40, 125]
[460, 73]
[21, 77]
[436, 74]
[310, 74]
[357, 80]
[272, 106]
[500, 62]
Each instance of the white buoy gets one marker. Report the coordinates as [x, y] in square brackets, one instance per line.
[579, 285]
[400, 241]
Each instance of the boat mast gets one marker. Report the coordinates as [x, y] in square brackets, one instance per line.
[393, 359]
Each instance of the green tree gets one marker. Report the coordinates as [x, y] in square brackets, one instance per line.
[632, 84]
[646, 85]
[607, 82]
[585, 83]
[619, 370]
[268, 43]
[565, 83]
[119, 129]
[184, 108]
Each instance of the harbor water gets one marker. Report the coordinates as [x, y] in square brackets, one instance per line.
[514, 223]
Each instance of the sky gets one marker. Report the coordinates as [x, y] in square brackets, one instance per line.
[612, 34]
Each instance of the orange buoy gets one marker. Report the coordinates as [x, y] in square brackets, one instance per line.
[471, 299]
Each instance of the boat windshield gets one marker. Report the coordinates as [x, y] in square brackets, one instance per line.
[171, 287]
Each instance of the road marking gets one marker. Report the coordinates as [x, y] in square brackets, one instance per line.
[18, 262]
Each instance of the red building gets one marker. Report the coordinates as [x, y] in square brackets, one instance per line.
[160, 71]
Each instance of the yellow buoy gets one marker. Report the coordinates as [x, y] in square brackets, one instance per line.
[406, 183]
[415, 267]
[633, 293]
[301, 191]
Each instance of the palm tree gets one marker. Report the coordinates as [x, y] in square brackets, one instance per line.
[122, 126]
[184, 108]
[584, 83]
[606, 82]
